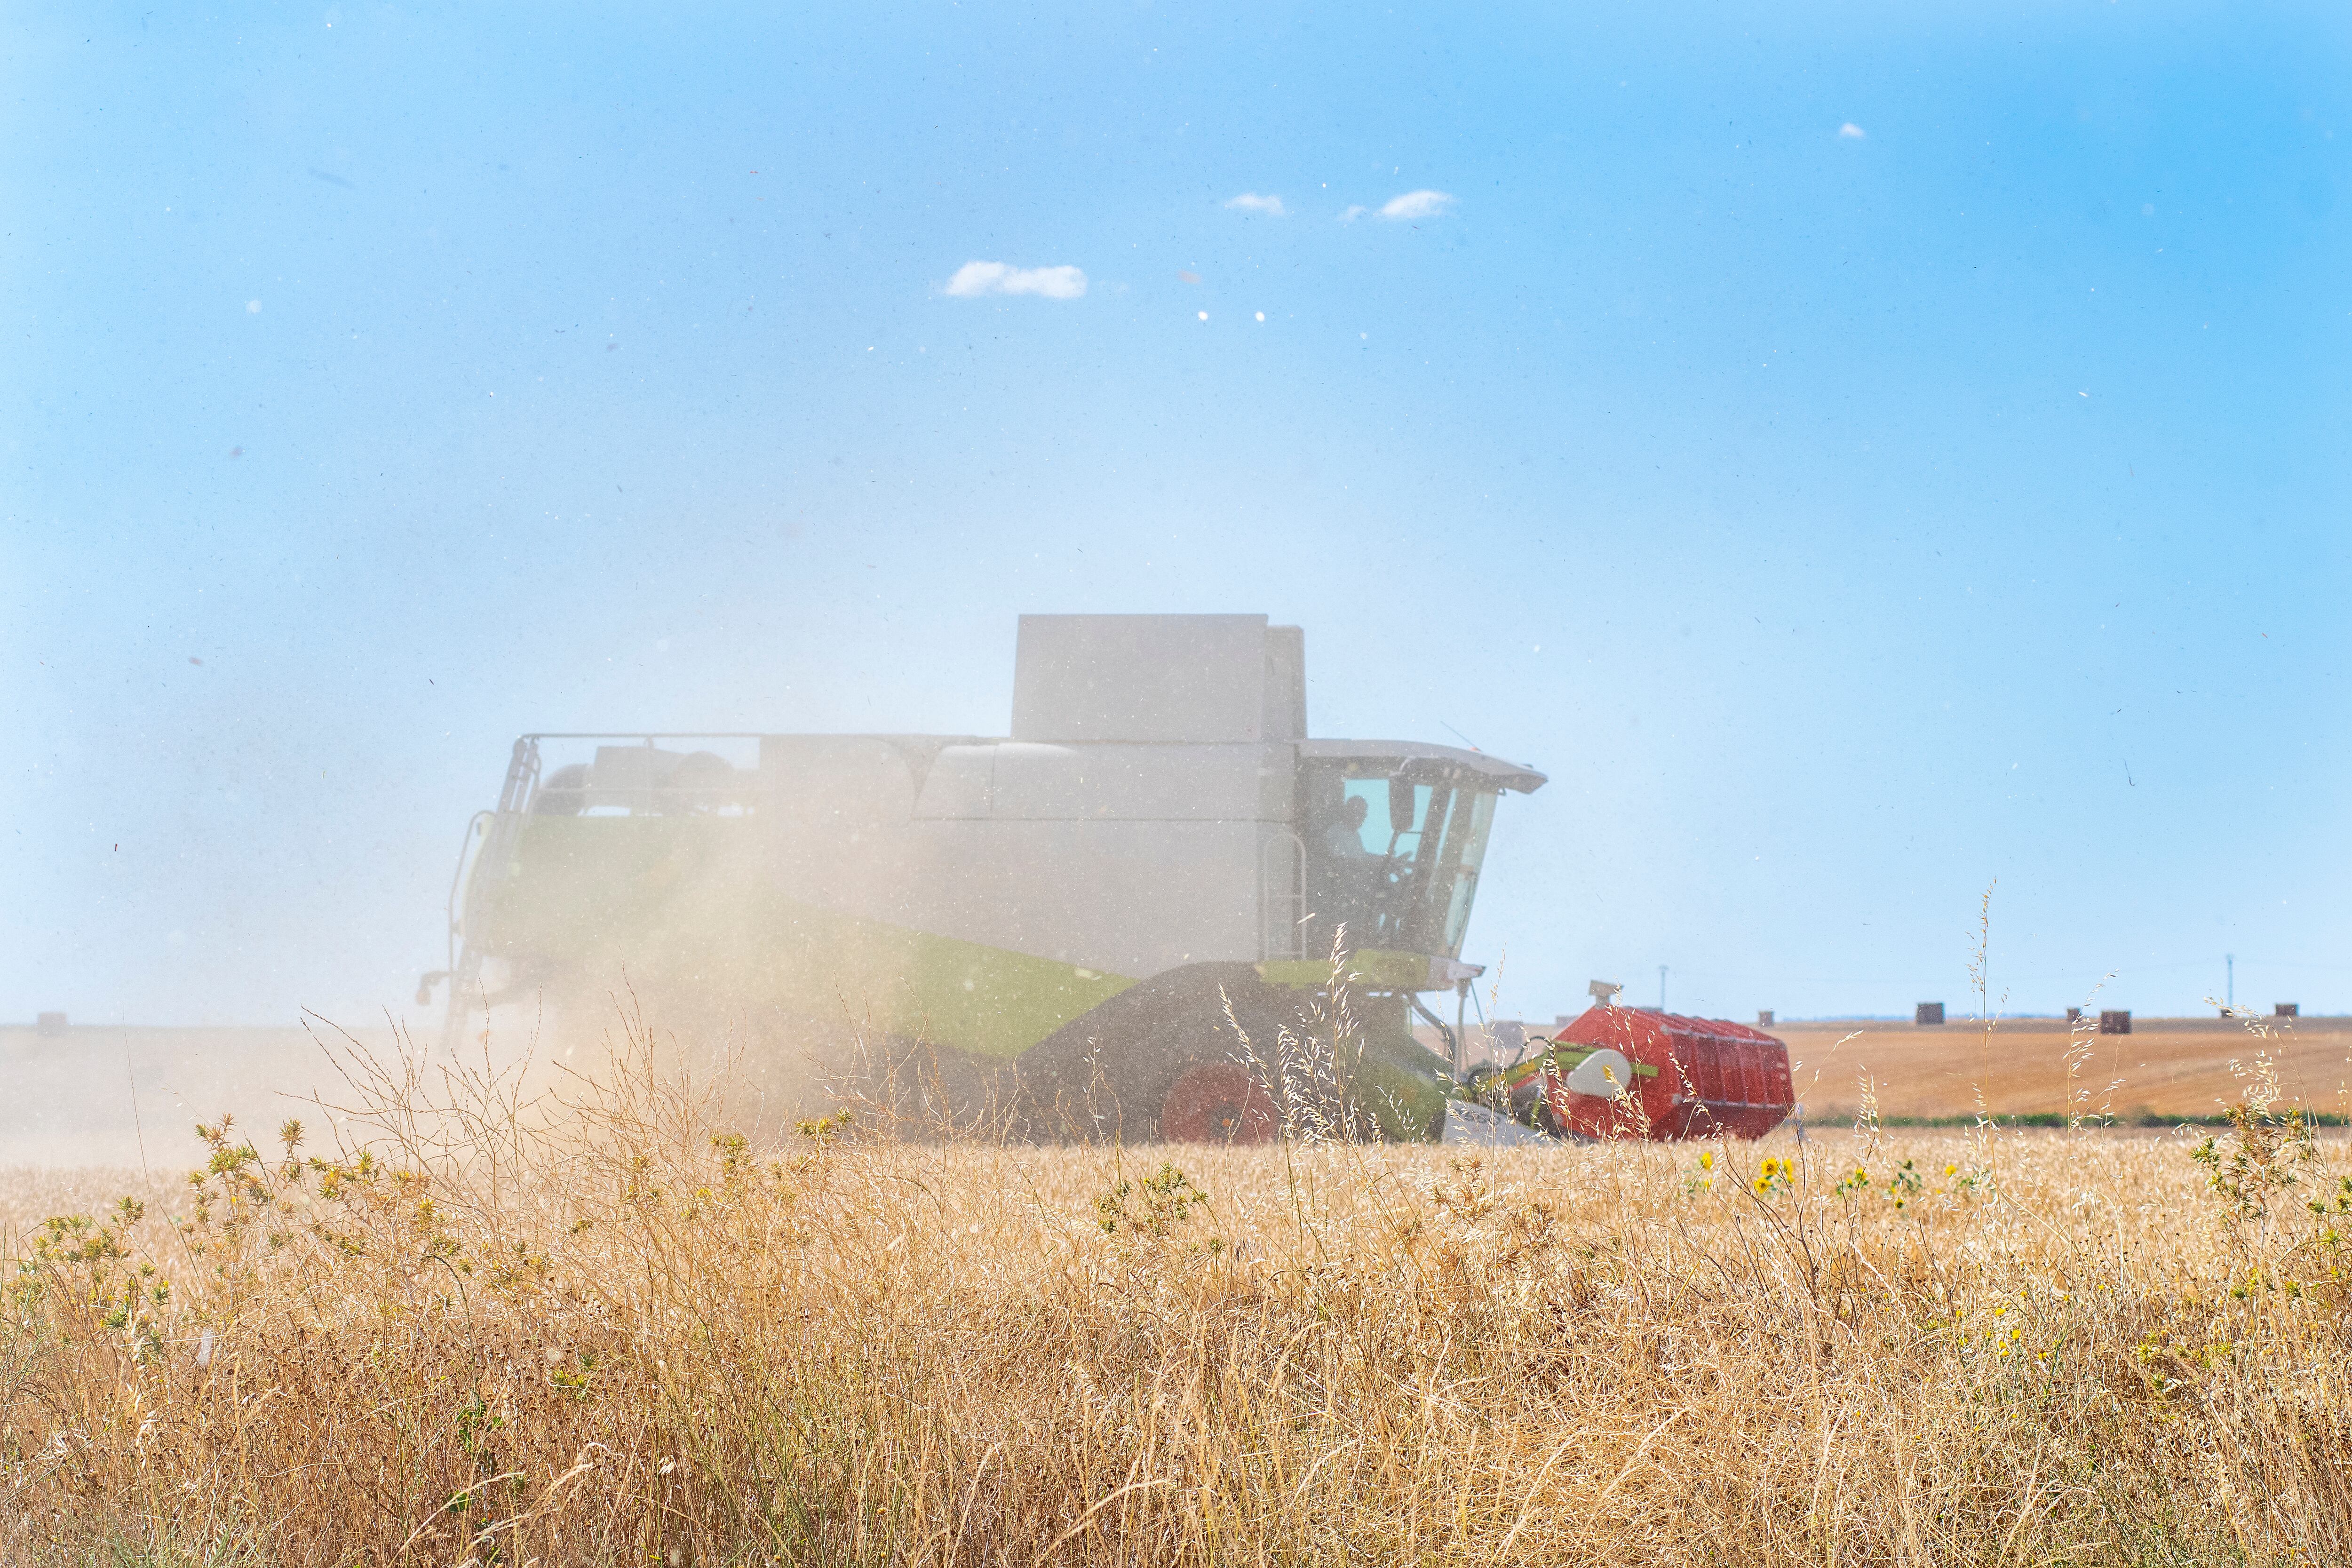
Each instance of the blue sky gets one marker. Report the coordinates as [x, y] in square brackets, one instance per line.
[1863, 459]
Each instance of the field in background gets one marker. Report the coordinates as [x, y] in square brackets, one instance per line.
[2030, 1066]
[617, 1334]
[86, 1097]
[2165, 1067]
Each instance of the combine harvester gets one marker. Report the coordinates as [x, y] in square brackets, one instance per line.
[1074, 928]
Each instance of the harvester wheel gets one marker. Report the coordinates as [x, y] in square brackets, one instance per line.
[1217, 1102]
[1115, 1072]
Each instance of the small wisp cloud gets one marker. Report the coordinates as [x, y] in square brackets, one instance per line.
[975, 280]
[1852, 131]
[1415, 205]
[1251, 202]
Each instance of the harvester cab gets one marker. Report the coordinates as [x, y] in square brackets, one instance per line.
[1116, 920]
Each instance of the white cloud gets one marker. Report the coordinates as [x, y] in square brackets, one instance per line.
[1416, 204]
[974, 279]
[1352, 214]
[1851, 130]
[1251, 202]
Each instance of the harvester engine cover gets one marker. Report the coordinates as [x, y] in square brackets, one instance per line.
[1626, 1072]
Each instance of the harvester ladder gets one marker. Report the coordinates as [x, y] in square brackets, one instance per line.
[492, 845]
[1282, 896]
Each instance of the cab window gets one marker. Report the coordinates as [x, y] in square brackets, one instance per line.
[1392, 855]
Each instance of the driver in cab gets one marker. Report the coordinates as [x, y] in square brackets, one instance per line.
[1344, 839]
[1349, 871]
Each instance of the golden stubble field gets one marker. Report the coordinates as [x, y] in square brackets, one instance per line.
[2165, 1067]
[611, 1332]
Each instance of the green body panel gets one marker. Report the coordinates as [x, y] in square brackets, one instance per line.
[1400, 1082]
[1375, 969]
[693, 901]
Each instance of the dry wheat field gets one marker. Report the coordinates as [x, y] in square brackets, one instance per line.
[462, 1329]
[2030, 1066]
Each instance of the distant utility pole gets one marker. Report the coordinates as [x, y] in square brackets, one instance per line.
[1662, 988]
[2230, 989]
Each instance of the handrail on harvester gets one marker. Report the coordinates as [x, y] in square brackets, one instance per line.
[465, 891]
